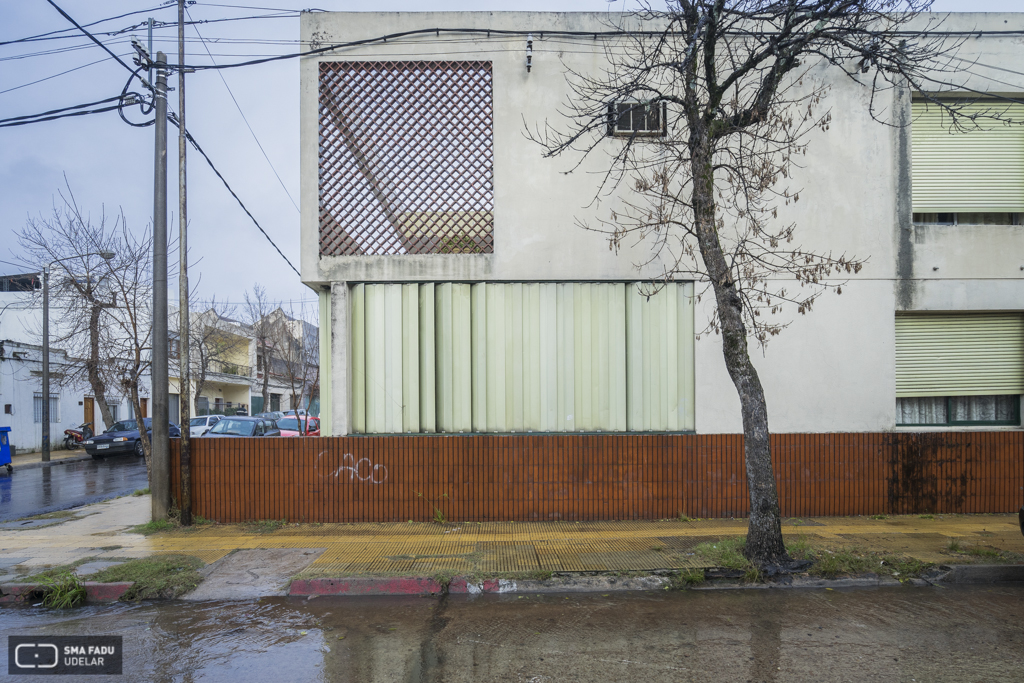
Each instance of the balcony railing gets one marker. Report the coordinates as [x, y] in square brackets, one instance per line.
[225, 368]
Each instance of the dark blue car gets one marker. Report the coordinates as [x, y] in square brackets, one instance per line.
[123, 437]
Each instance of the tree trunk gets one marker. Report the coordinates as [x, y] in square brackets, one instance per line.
[147, 447]
[764, 531]
[92, 367]
[266, 376]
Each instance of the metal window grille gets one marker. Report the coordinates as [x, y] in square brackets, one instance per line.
[637, 118]
[37, 408]
[406, 158]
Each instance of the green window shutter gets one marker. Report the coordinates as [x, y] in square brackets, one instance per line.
[976, 354]
[659, 366]
[976, 171]
[514, 357]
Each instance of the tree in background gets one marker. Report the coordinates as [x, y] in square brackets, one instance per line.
[213, 344]
[711, 103]
[298, 355]
[257, 316]
[81, 287]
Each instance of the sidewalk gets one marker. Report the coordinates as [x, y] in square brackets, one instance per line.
[533, 549]
[27, 461]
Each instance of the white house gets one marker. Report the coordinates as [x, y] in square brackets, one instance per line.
[458, 293]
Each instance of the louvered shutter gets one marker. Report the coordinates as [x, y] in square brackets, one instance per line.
[977, 354]
[977, 171]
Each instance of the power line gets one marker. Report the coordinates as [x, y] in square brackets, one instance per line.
[62, 73]
[237, 106]
[174, 120]
[91, 36]
[66, 30]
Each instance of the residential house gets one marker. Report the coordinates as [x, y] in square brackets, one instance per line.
[458, 293]
[21, 352]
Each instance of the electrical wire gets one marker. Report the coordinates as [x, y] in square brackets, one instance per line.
[91, 36]
[174, 120]
[62, 73]
[251, 131]
[67, 30]
[62, 116]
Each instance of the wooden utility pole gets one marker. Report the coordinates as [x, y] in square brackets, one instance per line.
[184, 371]
[161, 470]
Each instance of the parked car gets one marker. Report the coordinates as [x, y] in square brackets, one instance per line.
[243, 426]
[123, 437]
[273, 415]
[300, 411]
[289, 426]
[198, 426]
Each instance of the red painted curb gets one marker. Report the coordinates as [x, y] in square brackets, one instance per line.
[105, 592]
[94, 592]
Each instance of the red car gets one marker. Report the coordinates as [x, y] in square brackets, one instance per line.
[289, 426]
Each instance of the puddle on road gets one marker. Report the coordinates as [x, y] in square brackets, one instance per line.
[933, 634]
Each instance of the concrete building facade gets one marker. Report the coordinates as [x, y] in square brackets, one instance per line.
[499, 314]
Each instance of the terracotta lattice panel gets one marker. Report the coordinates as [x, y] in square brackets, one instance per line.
[406, 158]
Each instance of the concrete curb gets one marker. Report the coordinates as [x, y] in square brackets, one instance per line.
[36, 465]
[94, 591]
[983, 573]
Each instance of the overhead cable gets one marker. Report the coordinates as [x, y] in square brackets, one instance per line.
[174, 120]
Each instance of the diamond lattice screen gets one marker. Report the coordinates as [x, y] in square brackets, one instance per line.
[406, 158]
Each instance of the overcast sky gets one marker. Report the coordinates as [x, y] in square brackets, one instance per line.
[109, 165]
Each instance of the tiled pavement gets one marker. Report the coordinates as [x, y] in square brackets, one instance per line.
[423, 549]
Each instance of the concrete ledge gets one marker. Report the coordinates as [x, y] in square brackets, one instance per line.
[983, 573]
[105, 592]
[94, 591]
[369, 585]
[38, 463]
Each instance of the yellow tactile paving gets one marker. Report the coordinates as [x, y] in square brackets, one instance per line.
[102, 531]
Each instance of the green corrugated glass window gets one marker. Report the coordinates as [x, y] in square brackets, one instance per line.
[974, 171]
[522, 357]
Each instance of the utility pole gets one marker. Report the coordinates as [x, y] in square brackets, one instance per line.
[161, 466]
[184, 371]
[46, 364]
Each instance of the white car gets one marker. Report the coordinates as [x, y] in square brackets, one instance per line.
[200, 425]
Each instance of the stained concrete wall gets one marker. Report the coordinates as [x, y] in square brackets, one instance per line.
[832, 370]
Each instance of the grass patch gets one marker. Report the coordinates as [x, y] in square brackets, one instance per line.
[64, 590]
[160, 576]
[728, 554]
[685, 578]
[982, 552]
[926, 516]
[853, 561]
[59, 514]
[52, 573]
[264, 526]
[141, 492]
[955, 546]
[879, 517]
[800, 549]
[199, 520]
[155, 526]
[685, 518]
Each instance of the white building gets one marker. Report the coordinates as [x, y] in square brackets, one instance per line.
[458, 294]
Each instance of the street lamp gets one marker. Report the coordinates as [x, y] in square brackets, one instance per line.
[106, 254]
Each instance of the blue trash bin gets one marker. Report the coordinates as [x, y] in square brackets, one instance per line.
[5, 448]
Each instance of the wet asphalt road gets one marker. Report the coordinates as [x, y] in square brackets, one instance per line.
[892, 634]
[58, 487]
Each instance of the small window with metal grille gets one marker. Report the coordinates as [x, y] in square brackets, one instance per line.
[637, 119]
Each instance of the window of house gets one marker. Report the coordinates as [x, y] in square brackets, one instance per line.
[521, 357]
[968, 177]
[959, 368]
[37, 408]
[406, 158]
[115, 411]
[637, 118]
[275, 403]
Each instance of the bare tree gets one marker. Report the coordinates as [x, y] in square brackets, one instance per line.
[213, 343]
[298, 354]
[730, 90]
[128, 330]
[80, 286]
[257, 316]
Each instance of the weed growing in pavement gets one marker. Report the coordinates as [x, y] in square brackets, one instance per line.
[726, 553]
[439, 516]
[955, 546]
[926, 516]
[155, 526]
[684, 518]
[685, 578]
[983, 552]
[63, 591]
[160, 576]
[141, 492]
[264, 526]
[199, 520]
[879, 517]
